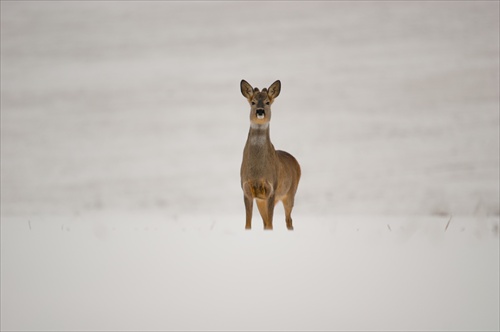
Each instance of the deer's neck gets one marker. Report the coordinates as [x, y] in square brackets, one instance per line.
[259, 155]
[259, 139]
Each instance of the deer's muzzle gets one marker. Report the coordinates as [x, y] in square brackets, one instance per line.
[260, 113]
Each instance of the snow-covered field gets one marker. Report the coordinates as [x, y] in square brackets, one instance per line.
[122, 129]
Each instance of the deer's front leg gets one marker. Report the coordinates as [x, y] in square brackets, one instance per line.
[248, 198]
[248, 208]
[270, 212]
[266, 209]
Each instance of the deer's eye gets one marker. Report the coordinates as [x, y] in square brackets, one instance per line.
[267, 103]
[253, 103]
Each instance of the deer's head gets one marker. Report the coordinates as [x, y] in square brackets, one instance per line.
[260, 101]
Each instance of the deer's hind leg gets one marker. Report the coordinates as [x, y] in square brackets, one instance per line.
[288, 202]
[248, 209]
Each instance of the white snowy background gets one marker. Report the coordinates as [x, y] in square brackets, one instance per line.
[122, 130]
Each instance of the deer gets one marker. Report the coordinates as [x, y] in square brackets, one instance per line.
[267, 175]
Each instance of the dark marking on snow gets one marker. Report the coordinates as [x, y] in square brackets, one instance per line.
[447, 224]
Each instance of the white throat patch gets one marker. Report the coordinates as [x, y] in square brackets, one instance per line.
[259, 126]
[258, 137]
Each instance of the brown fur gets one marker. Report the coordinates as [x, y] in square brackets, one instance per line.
[267, 175]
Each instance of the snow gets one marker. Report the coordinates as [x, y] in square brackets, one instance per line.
[122, 128]
[136, 272]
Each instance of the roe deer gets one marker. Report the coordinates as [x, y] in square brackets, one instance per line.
[268, 175]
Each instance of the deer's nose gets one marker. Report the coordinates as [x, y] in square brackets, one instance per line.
[260, 113]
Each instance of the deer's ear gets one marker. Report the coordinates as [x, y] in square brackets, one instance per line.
[274, 89]
[246, 89]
